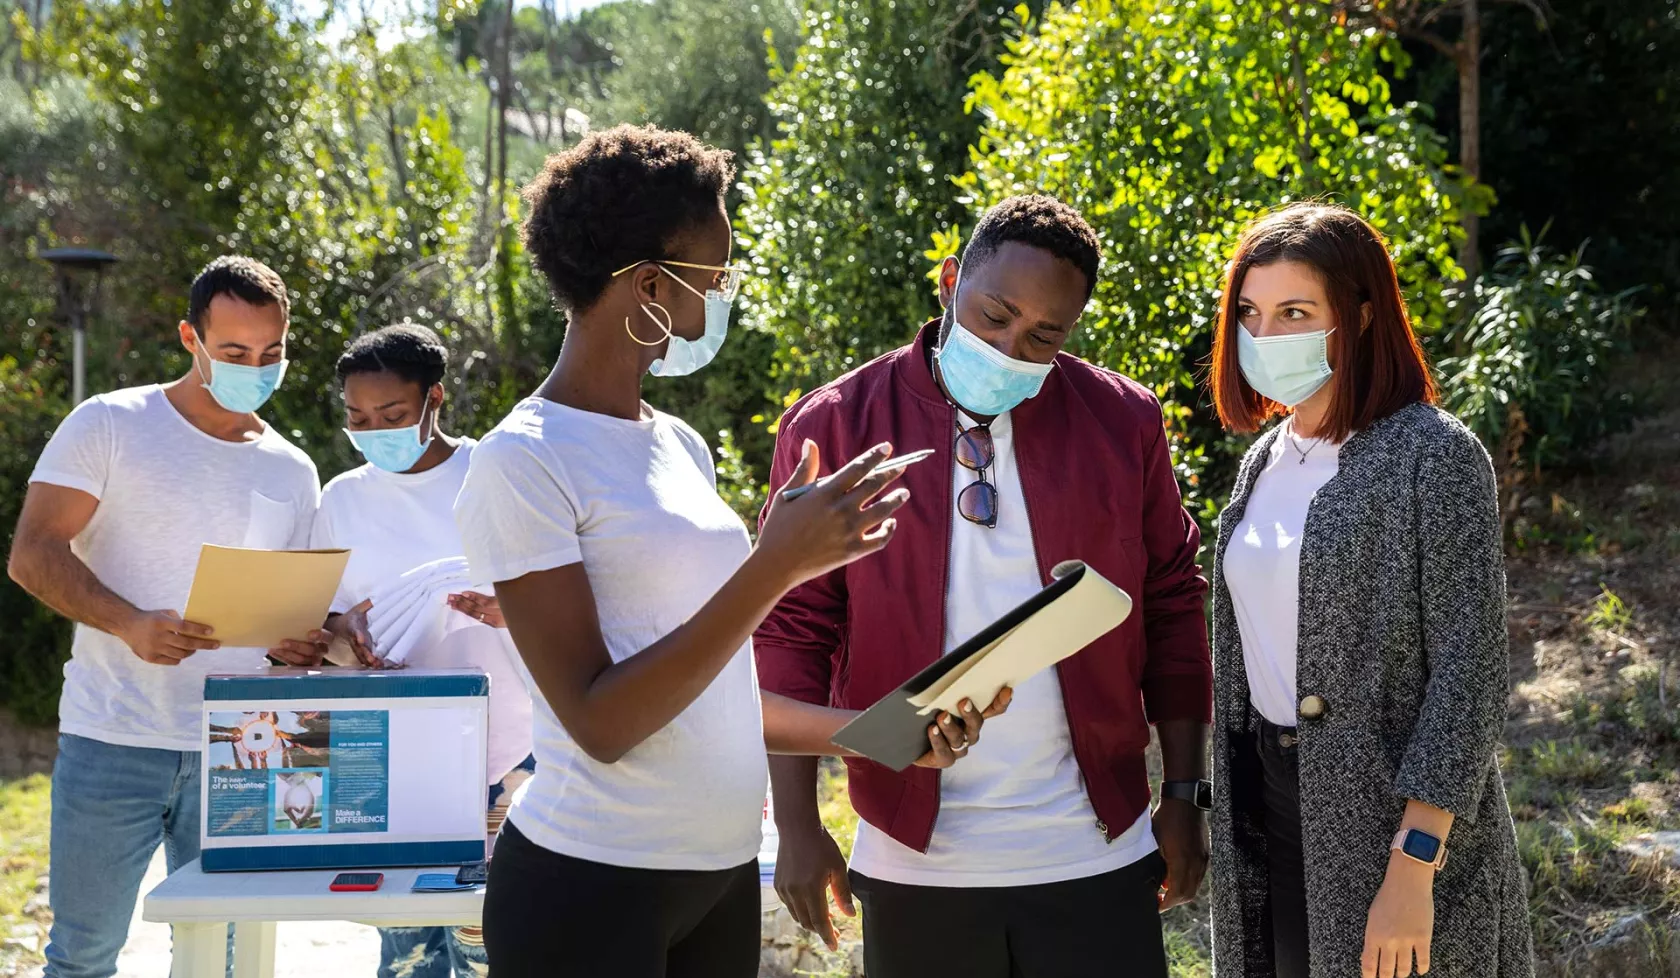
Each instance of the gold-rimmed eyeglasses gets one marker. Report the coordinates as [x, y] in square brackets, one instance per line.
[727, 281]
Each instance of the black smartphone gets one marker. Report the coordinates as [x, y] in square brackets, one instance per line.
[356, 882]
[473, 872]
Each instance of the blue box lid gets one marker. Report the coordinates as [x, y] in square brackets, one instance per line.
[293, 683]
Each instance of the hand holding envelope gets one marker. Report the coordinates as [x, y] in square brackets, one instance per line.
[162, 638]
[268, 599]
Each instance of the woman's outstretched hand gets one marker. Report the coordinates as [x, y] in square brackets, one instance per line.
[833, 524]
[483, 607]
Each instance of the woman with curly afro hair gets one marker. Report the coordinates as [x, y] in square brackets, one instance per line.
[632, 590]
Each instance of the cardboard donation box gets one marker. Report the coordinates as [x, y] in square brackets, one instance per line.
[343, 769]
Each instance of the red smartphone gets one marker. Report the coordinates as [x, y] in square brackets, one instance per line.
[356, 882]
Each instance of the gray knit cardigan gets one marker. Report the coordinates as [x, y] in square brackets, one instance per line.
[1402, 632]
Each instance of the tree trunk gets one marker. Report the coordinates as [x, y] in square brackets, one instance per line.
[1303, 98]
[1470, 126]
[489, 150]
[504, 227]
[504, 88]
[393, 139]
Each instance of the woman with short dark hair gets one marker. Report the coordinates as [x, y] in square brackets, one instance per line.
[632, 590]
[1359, 634]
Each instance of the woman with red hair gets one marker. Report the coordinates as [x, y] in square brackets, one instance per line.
[1359, 634]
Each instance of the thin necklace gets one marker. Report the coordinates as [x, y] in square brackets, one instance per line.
[1290, 438]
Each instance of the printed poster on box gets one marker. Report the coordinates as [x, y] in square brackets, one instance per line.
[326, 769]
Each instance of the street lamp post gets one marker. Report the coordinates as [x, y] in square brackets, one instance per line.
[76, 298]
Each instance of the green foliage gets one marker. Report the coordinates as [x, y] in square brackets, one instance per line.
[1572, 762]
[836, 209]
[1580, 128]
[737, 482]
[1529, 358]
[48, 138]
[31, 405]
[365, 233]
[200, 90]
[361, 164]
[1640, 710]
[50, 142]
[173, 132]
[697, 65]
[1609, 612]
[1169, 126]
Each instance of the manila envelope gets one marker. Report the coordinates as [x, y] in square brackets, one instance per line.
[260, 598]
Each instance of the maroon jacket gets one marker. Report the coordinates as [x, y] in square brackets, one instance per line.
[1099, 487]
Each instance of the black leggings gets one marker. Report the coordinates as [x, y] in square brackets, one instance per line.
[1281, 811]
[546, 914]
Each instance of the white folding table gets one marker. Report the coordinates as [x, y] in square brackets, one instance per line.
[200, 905]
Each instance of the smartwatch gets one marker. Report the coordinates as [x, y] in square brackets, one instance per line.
[1198, 793]
[1421, 846]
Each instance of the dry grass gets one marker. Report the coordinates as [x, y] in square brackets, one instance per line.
[23, 841]
[1594, 731]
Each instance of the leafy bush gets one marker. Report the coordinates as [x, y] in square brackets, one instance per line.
[38, 641]
[1169, 125]
[1552, 151]
[695, 65]
[836, 210]
[1527, 362]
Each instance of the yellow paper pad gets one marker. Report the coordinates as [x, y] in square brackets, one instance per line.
[260, 598]
[1076, 619]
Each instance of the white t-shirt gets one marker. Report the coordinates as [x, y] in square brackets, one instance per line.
[1263, 568]
[636, 502]
[164, 488]
[391, 521]
[1014, 811]
[394, 522]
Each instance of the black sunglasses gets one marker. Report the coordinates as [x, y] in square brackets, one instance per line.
[978, 503]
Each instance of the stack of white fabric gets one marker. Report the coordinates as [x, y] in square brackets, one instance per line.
[412, 624]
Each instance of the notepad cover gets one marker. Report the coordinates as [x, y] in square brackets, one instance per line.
[1076, 608]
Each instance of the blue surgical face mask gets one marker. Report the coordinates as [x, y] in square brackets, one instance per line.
[683, 357]
[393, 449]
[1287, 369]
[236, 387]
[979, 378]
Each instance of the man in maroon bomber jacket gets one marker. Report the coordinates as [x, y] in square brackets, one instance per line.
[1037, 854]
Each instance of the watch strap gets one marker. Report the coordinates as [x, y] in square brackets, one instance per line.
[1399, 845]
[1198, 793]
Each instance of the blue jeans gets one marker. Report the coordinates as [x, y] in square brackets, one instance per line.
[431, 952]
[111, 807]
[435, 952]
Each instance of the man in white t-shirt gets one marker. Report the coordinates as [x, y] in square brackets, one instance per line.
[1038, 855]
[130, 487]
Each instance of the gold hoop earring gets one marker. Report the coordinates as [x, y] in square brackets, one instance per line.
[666, 325]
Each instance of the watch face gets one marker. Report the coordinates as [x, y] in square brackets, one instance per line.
[1421, 846]
[1204, 795]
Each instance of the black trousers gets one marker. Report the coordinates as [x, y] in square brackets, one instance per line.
[1280, 809]
[546, 914]
[1101, 925]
